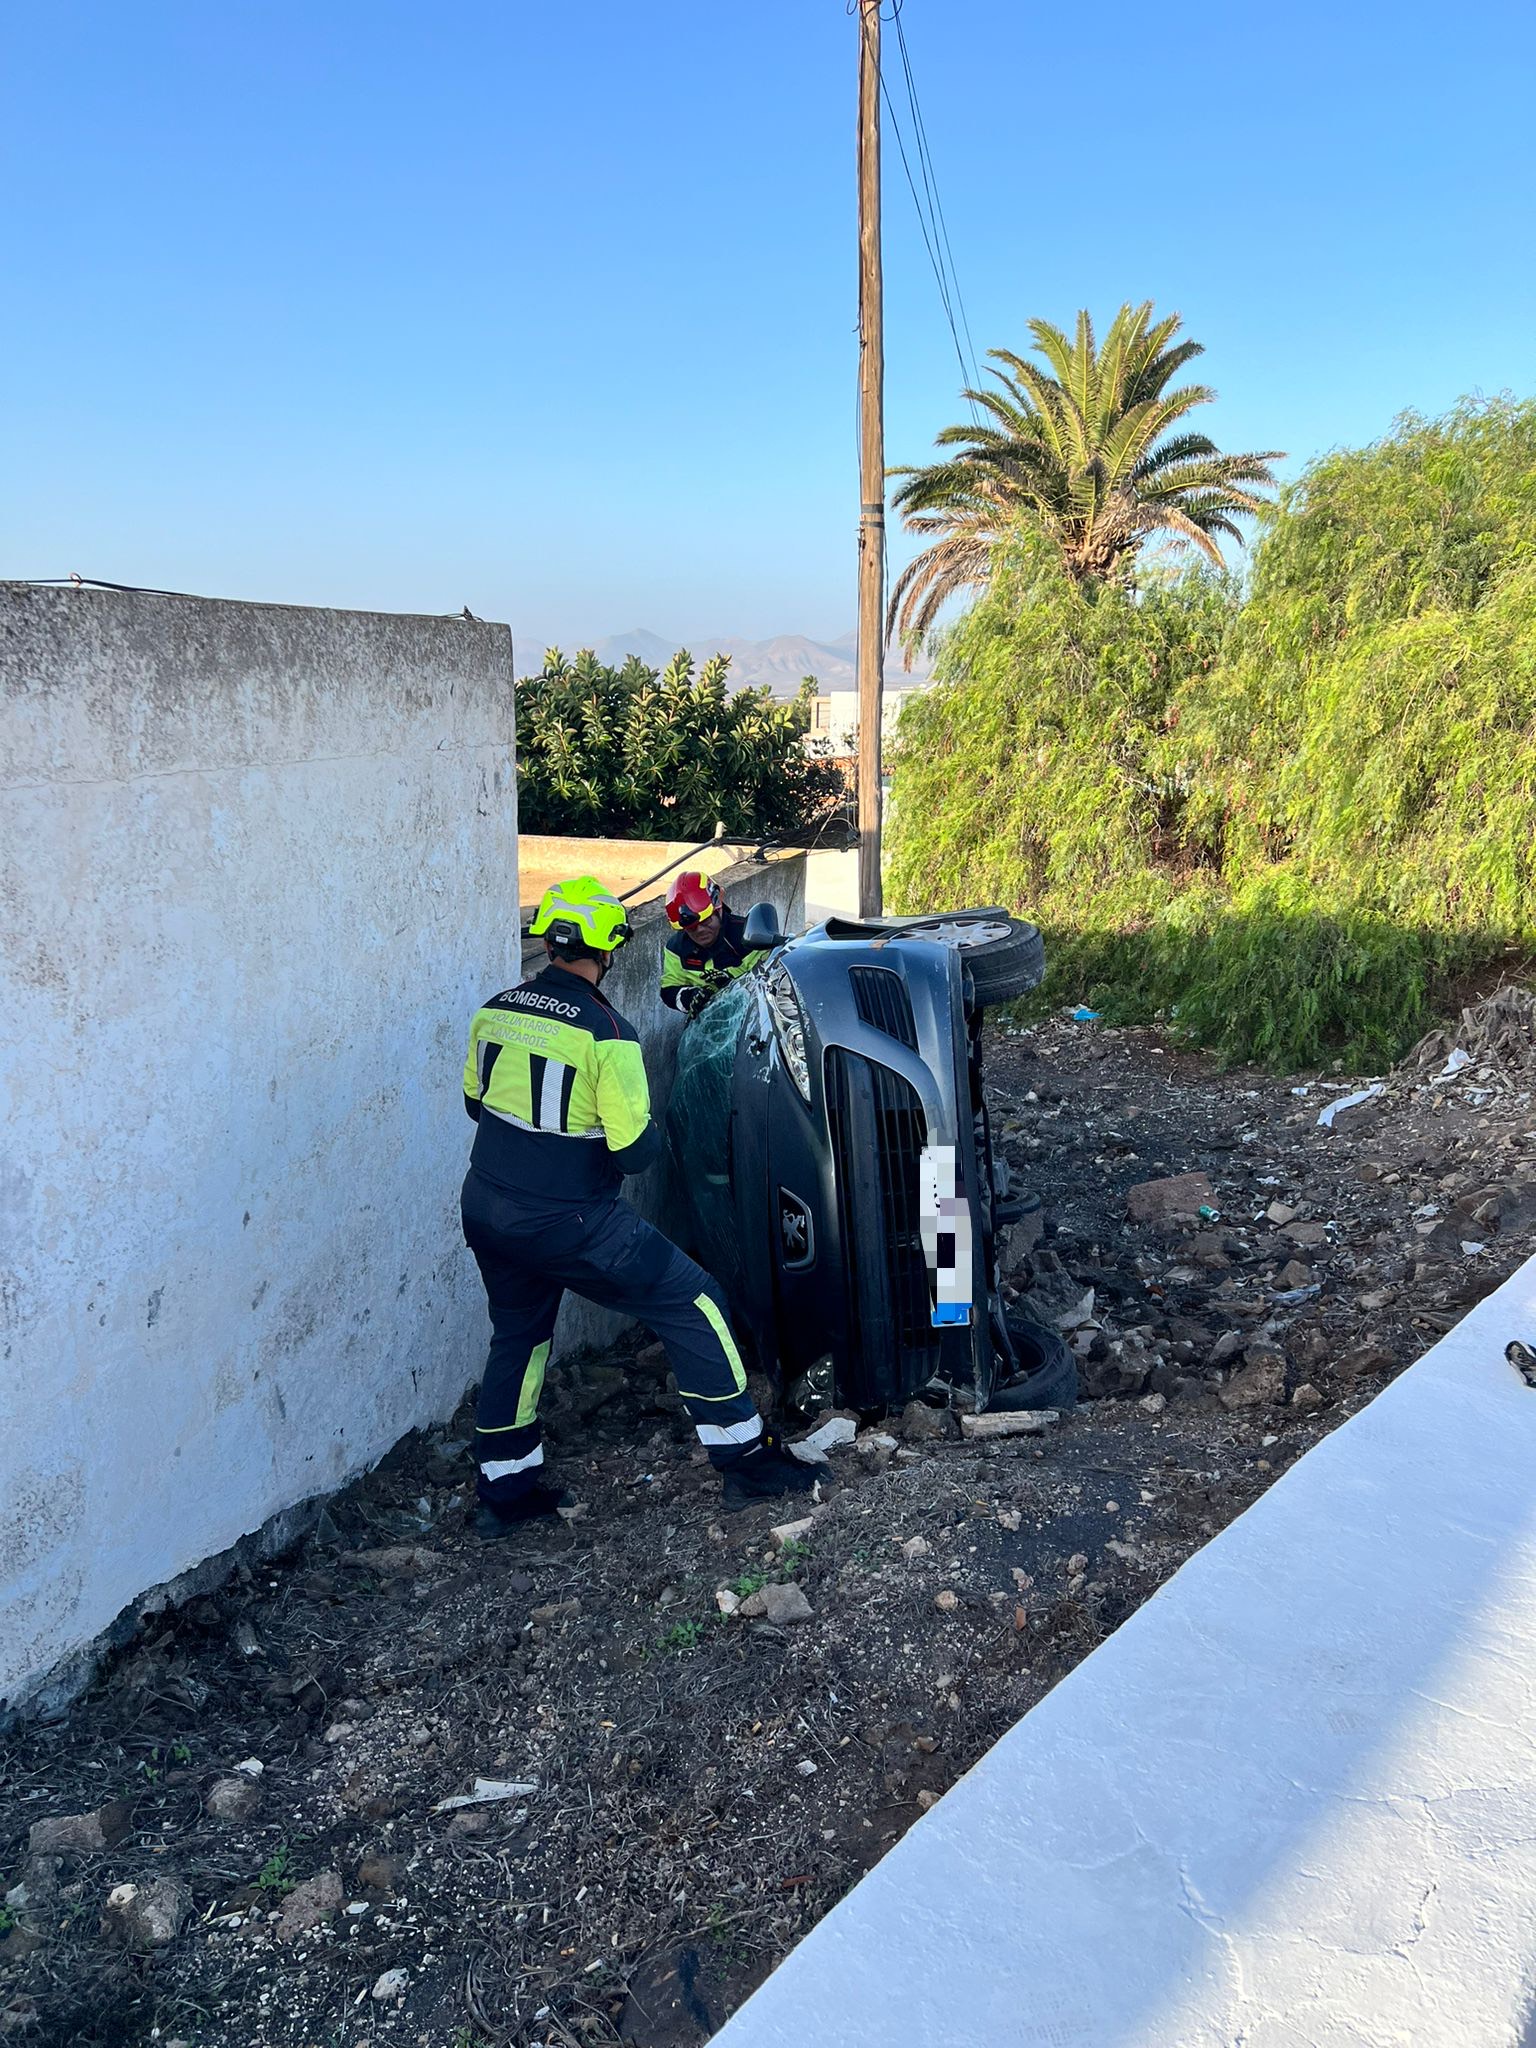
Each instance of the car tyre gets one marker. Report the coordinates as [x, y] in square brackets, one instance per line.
[1047, 1375]
[1008, 965]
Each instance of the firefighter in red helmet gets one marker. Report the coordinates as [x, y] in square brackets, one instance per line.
[707, 947]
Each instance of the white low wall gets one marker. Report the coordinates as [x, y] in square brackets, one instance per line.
[258, 866]
[1290, 1804]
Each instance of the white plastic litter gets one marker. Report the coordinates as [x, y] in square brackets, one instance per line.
[486, 1792]
[1458, 1059]
[1326, 1116]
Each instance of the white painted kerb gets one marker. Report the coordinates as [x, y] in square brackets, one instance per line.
[1290, 1804]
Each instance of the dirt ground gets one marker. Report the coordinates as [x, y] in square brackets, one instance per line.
[697, 1789]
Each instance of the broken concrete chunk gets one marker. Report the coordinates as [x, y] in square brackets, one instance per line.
[779, 1604]
[148, 1915]
[727, 1601]
[1031, 1422]
[792, 1532]
[1180, 1196]
[947, 1601]
[390, 1989]
[1306, 1398]
[832, 1436]
[1281, 1212]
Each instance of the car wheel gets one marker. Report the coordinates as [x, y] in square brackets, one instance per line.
[1004, 955]
[1047, 1374]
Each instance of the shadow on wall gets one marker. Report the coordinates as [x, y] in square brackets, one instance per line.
[633, 986]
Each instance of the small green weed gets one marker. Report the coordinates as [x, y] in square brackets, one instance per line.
[748, 1584]
[726, 1935]
[276, 1874]
[682, 1635]
[7, 1921]
[795, 1553]
[180, 1753]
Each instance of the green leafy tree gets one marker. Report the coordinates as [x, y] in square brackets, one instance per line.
[643, 753]
[1292, 824]
[1087, 449]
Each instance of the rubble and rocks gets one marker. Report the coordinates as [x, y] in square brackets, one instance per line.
[649, 1682]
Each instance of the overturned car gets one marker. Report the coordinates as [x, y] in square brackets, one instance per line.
[833, 1152]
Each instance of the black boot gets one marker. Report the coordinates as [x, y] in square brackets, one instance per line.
[501, 1517]
[765, 1472]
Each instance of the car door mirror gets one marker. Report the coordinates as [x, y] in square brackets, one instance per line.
[762, 928]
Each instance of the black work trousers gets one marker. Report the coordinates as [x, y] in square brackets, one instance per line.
[528, 1257]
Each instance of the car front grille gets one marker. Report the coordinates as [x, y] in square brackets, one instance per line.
[878, 1132]
[883, 1002]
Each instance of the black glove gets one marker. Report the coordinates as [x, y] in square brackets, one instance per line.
[692, 1000]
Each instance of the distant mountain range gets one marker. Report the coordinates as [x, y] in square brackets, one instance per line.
[778, 663]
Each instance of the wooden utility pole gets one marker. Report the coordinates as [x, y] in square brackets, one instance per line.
[871, 461]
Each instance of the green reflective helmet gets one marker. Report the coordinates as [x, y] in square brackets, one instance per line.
[581, 913]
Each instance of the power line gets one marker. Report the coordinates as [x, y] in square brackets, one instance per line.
[929, 210]
[931, 182]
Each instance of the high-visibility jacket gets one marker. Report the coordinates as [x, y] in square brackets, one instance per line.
[685, 964]
[555, 1080]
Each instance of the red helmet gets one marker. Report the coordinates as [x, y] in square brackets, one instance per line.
[692, 898]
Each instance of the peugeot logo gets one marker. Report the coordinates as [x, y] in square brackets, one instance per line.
[797, 1242]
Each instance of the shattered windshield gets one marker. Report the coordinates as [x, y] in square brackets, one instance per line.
[698, 1129]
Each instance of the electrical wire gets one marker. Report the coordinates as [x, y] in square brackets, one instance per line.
[931, 183]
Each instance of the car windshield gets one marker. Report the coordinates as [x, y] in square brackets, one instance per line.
[698, 1119]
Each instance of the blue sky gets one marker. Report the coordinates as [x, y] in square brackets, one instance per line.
[549, 309]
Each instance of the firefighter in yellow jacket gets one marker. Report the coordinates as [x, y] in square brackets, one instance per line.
[555, 1081]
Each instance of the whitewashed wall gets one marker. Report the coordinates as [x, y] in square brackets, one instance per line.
[257, 866]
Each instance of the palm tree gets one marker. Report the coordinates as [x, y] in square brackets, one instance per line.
[1083, 450]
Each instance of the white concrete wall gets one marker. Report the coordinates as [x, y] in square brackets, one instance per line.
[258, 865]
[634, 988]
[1290, 1804]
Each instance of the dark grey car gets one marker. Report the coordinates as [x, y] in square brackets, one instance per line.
[830, 1131]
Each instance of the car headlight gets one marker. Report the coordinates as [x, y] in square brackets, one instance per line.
[788, 1026]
